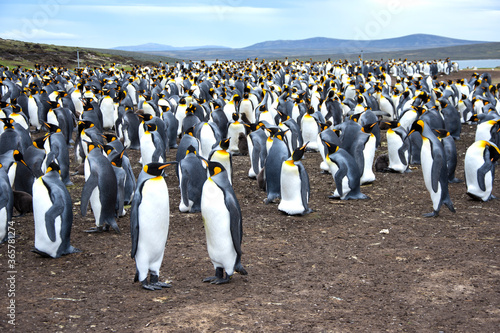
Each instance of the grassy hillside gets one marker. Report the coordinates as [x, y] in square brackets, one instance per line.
[18, 53]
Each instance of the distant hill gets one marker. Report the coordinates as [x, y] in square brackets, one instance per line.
[18, 53]
[417, 41]
[153, 47]
[317, 46]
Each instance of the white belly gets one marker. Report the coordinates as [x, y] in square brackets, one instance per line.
[147, 149]
[217, 227]
[3, 223]
[394, 143]
[473, 161]
[427, 161]
[291, 190]
[40, 207]
[368, 154]
[154, 220]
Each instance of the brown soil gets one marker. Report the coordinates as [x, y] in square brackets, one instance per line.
[334, 270]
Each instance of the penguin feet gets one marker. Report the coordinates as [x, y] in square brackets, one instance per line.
[219, 277]
[433, 214]
[96, 230]
[154, 281]
[147, 286]
[455, 180]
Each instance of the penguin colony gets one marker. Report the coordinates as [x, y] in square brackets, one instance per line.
[271, 111]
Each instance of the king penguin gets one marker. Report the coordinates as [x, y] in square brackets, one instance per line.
[295, 189]
[100, 189]
[480, 160]
[398, 147]
[53, 215]
[434, 169]
[6, 204]
[277, 154]
[345, 173]
[149, 223]
[221, 215]
[192, 176]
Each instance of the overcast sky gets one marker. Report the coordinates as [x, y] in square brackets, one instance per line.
[238, 23]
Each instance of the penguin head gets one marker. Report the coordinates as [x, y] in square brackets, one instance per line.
[417, 126]
[8, 123]
[494, 151]
[18, 157]
[280, 135]
[191, 150]
[39, 143]
[299, 152]
[189, 131]
[368, 128]
[392, 124]
[235, 116]
[52, 128]
[332, 148]
[441, 133]
[474, 118]
[224, 144]
[53, 166]
[150, 127]
[145, 116]
[118, 159]
[110, 137]
[84, 124]
[214, 168]
[156, 168]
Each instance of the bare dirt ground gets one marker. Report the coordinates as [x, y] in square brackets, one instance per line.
[330, 271]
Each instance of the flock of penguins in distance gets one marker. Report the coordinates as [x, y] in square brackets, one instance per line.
[271, 111]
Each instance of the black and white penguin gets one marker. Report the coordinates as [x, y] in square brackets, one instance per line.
[152, 145]
[53, 215]
[99, 189]
[397, 147]
[209, 135]
[434, 168]
[345, 172]
[192, 175]
[480, 160]
[149, 223]
[295, 189]
[276, 155]
[233, 132]
[221, 215]
[450, 150]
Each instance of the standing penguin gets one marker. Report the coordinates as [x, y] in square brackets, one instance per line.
[53, 215]
[221, 215]
[345, 173]
[434, 169]
[450, 150]
[397, 147]
[100, 189]
[6, 204]
[295, 189]
[479, 168]
[233, 131]
[277, 154]
[192, 176]
[149, 223]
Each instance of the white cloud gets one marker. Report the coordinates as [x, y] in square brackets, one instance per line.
[35, 34]
[177, 10]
